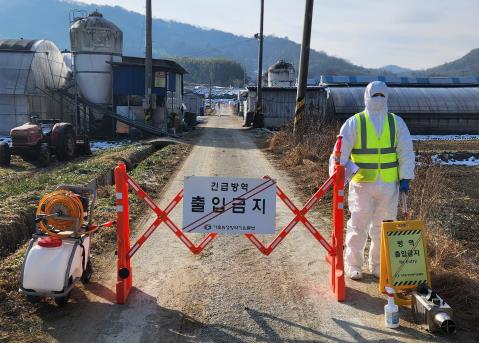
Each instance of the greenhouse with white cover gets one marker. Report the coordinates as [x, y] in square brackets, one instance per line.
[30, 71]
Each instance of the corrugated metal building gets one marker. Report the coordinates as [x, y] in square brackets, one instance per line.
[428, 105]
[129, 89]
[29, 71]
[279, 103]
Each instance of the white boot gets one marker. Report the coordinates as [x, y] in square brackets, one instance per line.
[354, 273]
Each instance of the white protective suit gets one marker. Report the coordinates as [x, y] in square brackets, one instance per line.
[372, 202]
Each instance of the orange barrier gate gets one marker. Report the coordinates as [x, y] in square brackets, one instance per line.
[334, 249]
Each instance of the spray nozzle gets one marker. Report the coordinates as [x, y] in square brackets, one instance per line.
[390, 292]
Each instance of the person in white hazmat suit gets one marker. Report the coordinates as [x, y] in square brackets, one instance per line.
[380, 144]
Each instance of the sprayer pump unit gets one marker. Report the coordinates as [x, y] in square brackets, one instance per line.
[431, 311]
[59, 252]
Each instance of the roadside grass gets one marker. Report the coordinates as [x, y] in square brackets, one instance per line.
[453, 260]
[20, 320]
[309, 159]
[21, 191]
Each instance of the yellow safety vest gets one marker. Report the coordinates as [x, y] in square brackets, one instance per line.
[375, 155]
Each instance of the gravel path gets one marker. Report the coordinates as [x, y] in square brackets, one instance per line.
[229, 293]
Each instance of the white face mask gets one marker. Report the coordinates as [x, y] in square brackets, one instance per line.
[376, 104]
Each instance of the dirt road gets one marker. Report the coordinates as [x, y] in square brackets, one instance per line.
[229, 293]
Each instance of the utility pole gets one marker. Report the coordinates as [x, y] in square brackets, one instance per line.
[303, 70]
[148, 63]
[211, 78]
[258, 115]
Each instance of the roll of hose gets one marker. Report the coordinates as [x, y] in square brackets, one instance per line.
[60, 214]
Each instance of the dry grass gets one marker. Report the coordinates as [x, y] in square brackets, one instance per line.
[20, 191]
[309, 159]
[22, 321]
[454, 268]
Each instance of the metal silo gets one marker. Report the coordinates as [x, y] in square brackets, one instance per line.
[281, 74]
[95, 41]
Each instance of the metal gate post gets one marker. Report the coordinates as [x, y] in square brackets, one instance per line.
[124, 277]
[336, 261]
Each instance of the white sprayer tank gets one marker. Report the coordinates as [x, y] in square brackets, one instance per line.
[45, 269]
[95, 41]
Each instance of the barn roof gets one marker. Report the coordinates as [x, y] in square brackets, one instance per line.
[161, 63]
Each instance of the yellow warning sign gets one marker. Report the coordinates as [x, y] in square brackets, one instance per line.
[404, 262]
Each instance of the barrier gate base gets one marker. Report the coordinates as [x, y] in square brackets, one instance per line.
[334, 249]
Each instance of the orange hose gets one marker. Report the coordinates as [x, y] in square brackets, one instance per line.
[53, 206]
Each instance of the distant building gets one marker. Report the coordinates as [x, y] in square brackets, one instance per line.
[129, 90]
[30, 70]
[194, 102]
[281, 74]
[428, 105]
[279, 104]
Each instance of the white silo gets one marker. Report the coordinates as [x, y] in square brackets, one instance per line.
[281, 74]
[94, 42]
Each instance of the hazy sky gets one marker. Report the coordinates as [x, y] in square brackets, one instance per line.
[371, 33]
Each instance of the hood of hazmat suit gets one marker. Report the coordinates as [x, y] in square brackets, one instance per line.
[372, 202]
[377, 106]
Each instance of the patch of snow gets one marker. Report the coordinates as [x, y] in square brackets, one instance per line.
[444, 137]
[470, 162]
[95, 145]
[103, 145]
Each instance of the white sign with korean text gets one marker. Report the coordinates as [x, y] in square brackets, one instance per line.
[229, 205]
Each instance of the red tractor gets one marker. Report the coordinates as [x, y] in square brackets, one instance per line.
[37, 140]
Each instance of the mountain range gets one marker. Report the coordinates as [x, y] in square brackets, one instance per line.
[50, 19]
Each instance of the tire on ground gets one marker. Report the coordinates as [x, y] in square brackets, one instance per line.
[33, 299]
[43, 158]
[62, 301]
[65, 143]
[4, 154]
[87, 273]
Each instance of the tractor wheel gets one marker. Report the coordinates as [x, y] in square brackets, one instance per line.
[33, 299]
[62, 301]
[4, 154]
[87, 273]
[66, 144]
[43, 158]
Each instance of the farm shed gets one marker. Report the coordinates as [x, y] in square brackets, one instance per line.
[279, 103]
[129, 89]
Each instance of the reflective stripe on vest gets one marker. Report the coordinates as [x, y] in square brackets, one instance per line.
[375, 155]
